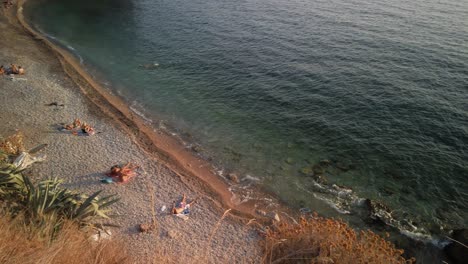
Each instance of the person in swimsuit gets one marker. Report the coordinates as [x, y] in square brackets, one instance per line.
[13, 69]
[124, 173]
[182, 207]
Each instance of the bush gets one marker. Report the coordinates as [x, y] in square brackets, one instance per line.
[322, 240]
[46, 206]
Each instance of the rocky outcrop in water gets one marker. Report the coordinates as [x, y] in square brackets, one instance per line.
[379, 212]
[346, 201]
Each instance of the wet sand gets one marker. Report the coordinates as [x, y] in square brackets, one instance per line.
[167, 168]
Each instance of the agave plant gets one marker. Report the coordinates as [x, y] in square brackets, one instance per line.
[3, 156]
[48, 200]
[11, 181]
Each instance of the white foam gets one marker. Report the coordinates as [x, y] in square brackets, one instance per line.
[332, 204]
[250, 178]
[140, 114]
[426, 238]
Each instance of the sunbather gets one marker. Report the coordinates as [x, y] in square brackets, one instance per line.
[123, 173]
[182, 207]
[87, 129]
[76, 123]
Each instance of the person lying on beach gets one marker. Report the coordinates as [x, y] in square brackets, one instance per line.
[2, 70]
[15, 69]
[123, 173]
[81, 126]
[87, 129]
[182, 207]
[76, 123]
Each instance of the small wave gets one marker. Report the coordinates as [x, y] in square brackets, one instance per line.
[332, 204]
[73, 50]
[440, 243]
[61, 42]
[251, 178]
[140, 114]
[70, 48]
[50, 36]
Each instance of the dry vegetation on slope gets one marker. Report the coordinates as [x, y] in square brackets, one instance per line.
[325, 241]
[71, 245]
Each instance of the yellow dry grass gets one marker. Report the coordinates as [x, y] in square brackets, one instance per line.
[326, 241]
[70, 246]
[13, 145]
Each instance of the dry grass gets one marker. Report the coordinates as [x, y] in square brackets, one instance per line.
[322, 240]
[70, 246]
[13, 145]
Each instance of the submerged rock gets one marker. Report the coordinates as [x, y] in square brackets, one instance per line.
[233, 177]
[379, 212]
[342, 167]
[306, 171]
[455, 251]
[318, 170]
[321, 179]
[325, 163]
[196, 148]
[387, 191]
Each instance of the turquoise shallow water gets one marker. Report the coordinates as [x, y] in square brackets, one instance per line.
[270, 88]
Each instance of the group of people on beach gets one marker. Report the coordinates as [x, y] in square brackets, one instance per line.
[13, 69]
[81, 126]
[123, 173]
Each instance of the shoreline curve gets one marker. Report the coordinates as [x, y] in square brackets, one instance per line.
[160, 145]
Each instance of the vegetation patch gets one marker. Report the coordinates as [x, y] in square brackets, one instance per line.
[326, 241]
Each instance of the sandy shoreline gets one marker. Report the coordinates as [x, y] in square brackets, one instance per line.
[167, 168]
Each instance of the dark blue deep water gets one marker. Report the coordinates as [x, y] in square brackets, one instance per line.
[269, 88]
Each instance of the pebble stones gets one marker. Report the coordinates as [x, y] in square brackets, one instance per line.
[173, 234]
